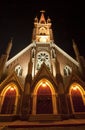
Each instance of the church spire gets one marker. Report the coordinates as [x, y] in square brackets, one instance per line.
[42, 18]
[80, 60]
[42, 31]
[75, 49]
[4, 58]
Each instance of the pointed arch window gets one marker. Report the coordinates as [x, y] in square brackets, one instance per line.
[67, 70]
[18, 70]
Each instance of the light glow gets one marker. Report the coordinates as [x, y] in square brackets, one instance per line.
[12, 88]
[75, 88]
[44, 84]
[43, 39]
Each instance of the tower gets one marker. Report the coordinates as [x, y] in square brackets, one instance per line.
[45, 66]
[43, 50]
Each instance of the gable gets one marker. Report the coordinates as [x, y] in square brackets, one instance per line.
[12, 78]
[21, 59]
[44, 72]
[66, 55]
[65, 60]
[74, 78]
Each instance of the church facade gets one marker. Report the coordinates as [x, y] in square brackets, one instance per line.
[42, 82]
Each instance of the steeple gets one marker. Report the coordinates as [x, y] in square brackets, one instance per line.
[42, 32]
[75, 49]
[5, 57]
[42, 18]
[80, 60]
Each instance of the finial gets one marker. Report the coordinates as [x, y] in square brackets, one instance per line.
[75, 48]
[36, 19]
[48, 20]
[73, 41]
[11, 39]
[9, 46]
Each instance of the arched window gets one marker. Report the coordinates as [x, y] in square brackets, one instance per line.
[18, 70]
[67, 70]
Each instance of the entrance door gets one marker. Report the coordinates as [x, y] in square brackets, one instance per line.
[77, 100]
[9, 101]
[44, 100]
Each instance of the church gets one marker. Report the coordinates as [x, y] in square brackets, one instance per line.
[42, 82]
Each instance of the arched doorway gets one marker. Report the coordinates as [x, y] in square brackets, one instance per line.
[44, 98]
[9, 99]
[77, 98]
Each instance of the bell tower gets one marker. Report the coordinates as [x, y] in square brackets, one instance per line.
[42, 32]
[43, 50]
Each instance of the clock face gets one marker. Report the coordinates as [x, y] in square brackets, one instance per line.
[43, 57]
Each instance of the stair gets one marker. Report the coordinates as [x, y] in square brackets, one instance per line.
[8, 117]
[44, 117]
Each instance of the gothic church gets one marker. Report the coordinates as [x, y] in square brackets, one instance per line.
[42, 82]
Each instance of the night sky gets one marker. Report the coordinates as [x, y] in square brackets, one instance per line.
[17, 17]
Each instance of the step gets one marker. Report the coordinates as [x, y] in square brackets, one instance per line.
[44, 117]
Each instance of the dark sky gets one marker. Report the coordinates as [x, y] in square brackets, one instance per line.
[17, 17]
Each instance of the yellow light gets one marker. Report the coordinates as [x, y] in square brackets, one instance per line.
[43, 39]
[12, 88]
[75, 88]
[44, 84]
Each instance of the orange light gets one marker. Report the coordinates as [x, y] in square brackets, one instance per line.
[75, 88]
[44, 84]
[12, 88]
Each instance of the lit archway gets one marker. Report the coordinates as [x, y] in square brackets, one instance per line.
[44, 98]
[9, 99]
[77, 98]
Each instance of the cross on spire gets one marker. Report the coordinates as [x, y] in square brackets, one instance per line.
[42, 11]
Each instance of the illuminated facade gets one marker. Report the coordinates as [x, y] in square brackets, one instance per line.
[42, 80]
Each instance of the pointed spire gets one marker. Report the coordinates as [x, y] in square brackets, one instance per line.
[42, 18]
[36, 20]
[75, 49]
[9, 46]
[48, 20]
